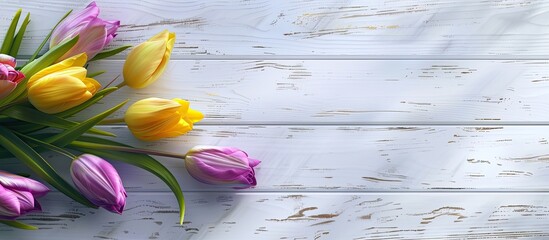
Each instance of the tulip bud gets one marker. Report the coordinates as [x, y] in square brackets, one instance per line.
[99, 182]
[155, 118]
[62, 86]
[94, 33]
[147, 61]
[18, 195]
[221, 165]
[9, 77]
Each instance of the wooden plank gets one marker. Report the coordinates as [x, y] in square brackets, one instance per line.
[299, 216]
[359, 158]
[266, 28]
[351, 91]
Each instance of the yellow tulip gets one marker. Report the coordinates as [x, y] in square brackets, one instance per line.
[61, 86]
[147, 61]
[155, 118]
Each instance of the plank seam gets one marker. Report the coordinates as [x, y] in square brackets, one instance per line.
[343, 57]
[385, 124]
[351, 192]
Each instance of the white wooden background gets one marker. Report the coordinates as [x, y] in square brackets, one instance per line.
[378, 119]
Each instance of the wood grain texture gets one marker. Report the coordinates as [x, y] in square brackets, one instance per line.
[299, 216]
[264, 28]
[426, 143]
[360, 158]
[351, 91]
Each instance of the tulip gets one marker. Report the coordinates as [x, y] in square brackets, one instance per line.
[95, 33]
[155, 118]
[99, 182]
[221, 165]
[9, 77]
[18, 195]
[62, 86]
[147, 61]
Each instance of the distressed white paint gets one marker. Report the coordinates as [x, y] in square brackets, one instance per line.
[300, 216]
[363, 149]
[376, 27]
[352, 91]
[362, 158]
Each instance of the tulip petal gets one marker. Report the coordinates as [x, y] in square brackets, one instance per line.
[94, 33]
[9, 204]
[91, 41]
[142, 62]
[155, 118]
[184, 105]
[58, 93]
[6, 87]
[253, 162]
[74, 61]
[247, 179]
[19, 183]
[72, 25]
[26, 201]
[4, 72]
[165, 59]
[145, 111]
[214, 174]
[147, 61]
[224, 167]
[76, 72]
[15, 76]
[215, 149]
[92, 85]
[99, 181]
[194, 115]
[8, 60]
[221, 165]
[112, 27]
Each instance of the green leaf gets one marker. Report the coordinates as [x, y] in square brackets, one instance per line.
[109, 53]
[33, 67]
[98, 96]
[46, 145]
[48, 37]
[140, 160]
[34, 116]
[19, 37]
[41, 167]
[8, 39]
[95, 74]
[17, 224]
[69, 135]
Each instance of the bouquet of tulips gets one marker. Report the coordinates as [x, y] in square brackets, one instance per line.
[38, 102]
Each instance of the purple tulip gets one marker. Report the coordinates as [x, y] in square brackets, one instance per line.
[95, 33]
[18, 195]
[221, 165]
[9, 77]
[99, 182]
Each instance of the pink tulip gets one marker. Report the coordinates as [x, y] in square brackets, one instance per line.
[95, 33]
[18, 195]
[99, 182]
[221, 165]
[9, 77]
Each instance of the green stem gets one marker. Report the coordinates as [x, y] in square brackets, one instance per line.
[16, 224]
[19, 101]
[122, 84]
[112, 81]
[125, 149]
[111, 121]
